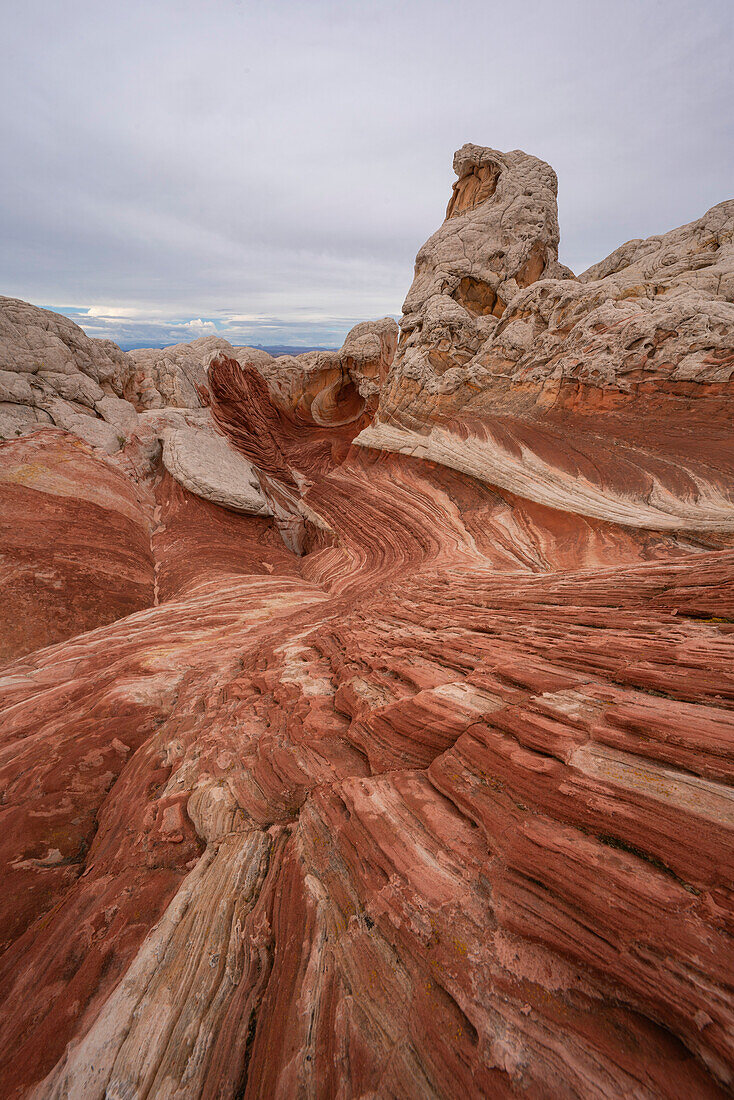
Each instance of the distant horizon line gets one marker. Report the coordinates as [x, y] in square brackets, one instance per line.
[136, 334]
[282, 349]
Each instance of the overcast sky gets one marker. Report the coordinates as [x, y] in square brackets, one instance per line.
[268, 170]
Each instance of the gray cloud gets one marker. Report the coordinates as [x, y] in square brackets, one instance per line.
[271, 170]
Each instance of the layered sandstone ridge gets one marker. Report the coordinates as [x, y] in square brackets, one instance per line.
[607, 395]
[403, 769]
[89, 418]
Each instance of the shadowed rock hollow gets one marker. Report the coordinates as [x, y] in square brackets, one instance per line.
[367, 715]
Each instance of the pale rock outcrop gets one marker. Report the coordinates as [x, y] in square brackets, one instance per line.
[15, 388]
[18, 419]
[330, 388]
[34, 340]
[52, 373]
[644, 339]
[204, 463]
[117, 412]
[500, 234]
[367, 354]
[667, 299]
[161, 377]
[83, 422]
[699, 255]
[657, 311]
[78, 388]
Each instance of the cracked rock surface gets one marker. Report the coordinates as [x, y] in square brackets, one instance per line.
[412, 775]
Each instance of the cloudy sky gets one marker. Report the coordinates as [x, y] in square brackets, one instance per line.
[173, 168]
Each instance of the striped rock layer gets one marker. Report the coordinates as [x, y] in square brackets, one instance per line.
[405, 769]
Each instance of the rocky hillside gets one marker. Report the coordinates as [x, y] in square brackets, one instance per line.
[368, 716]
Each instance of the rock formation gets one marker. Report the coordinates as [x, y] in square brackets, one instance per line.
[52, 373]
[632, 362]
[171, 376]
[368, 722]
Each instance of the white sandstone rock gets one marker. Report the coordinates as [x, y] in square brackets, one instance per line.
[205, 464]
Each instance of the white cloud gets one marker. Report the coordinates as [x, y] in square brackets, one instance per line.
[198, 326]
[123, 313]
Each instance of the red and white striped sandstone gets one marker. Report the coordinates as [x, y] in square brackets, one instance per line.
[436, 802]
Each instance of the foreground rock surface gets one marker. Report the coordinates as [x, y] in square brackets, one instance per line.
[413, 778]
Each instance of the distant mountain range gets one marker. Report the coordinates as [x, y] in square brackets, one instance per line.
[275, 349]
[285, 349]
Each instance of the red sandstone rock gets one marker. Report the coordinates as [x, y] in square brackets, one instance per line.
[74, 539]
[440, 806]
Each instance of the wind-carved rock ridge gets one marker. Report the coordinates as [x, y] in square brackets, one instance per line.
[608, 395]
[406, 768]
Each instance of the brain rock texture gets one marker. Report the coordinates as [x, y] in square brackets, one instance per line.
[368, 715]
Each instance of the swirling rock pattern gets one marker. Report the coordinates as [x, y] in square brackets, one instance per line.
[439, 804]
[329, 388]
